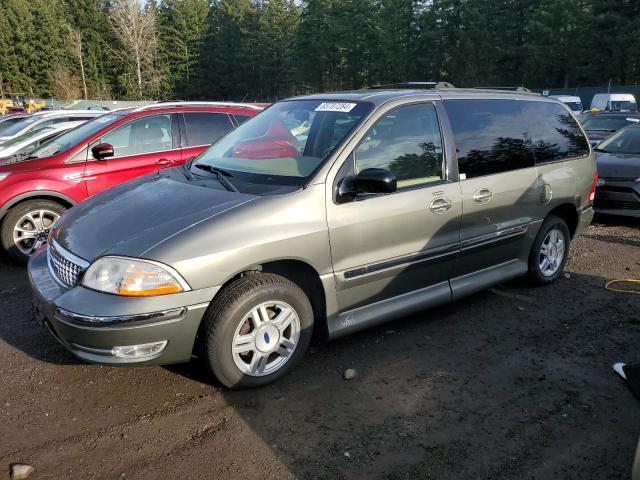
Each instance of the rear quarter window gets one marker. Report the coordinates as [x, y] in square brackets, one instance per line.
[491, 136]
[205, 128]
[554, 132]
[241, 118]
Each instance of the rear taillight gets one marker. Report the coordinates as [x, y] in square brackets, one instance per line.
[592, 192]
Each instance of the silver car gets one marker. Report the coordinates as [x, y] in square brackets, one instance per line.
[39, 120]
[322, 215]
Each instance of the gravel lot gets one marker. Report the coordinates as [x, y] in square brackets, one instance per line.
[512, 383]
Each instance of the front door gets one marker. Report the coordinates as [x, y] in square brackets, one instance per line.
[140, 146]
[383, 246]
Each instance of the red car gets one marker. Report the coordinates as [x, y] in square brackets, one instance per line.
[100, 154]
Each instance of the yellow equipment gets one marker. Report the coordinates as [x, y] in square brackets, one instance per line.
[34, 106]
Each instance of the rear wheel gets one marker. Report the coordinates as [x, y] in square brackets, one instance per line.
[26, 227]
[549, 252]
[256, 330]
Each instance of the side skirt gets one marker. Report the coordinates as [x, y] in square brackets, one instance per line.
[487, 277]
[373, 314]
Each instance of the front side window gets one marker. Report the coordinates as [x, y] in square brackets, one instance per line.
[554, 132]
[626, 141]
[285, 144]
[143, 135]
[407, 142]
[204, 128]
[490, 136]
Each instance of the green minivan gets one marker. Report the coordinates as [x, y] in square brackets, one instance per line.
[322, 215]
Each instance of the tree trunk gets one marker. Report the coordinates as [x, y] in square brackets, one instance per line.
[84, 80]
[139, 74]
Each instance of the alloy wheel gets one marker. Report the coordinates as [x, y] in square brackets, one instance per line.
[266, 338]
[32, 230]
[552, 252]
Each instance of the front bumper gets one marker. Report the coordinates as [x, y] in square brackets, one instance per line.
[90, 324]
[618, 197]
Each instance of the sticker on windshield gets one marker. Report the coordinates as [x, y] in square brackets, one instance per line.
[633, 120]
[335, 107]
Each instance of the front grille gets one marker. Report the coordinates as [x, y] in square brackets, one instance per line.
[62, 266]
[616, 205]
[619, 179]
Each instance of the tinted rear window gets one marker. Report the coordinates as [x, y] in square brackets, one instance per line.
[203, 128]
[241, 118]
[490, 136]
[554, 132]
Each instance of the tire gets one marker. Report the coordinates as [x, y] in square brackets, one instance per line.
[34, 233]
[230, 319]
[537, 275]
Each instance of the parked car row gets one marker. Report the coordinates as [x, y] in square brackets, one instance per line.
[327, 213]
[603, 102]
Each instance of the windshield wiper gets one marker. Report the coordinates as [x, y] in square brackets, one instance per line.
[221, 173]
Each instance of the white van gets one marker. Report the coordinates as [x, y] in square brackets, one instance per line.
[574, 103]
[615, 102]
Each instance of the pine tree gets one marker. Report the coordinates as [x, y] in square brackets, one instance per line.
[181, 29]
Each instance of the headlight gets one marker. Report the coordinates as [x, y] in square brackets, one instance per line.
[4, 175]
[133, 278]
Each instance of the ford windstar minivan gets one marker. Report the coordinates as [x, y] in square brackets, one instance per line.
[323, 215]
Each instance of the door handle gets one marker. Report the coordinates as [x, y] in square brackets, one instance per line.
[484, 195]
[440, 205]
[164, 161]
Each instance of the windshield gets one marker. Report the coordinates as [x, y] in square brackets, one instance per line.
[610, 124]
[622, 106]
[285, 144]
[4, 124]
[23, 138]
[626, 140]
[19, 125]
[74, 136]
[575, 106]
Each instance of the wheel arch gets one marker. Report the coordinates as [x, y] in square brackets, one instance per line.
[304, 276]
[569, 214]
[60, 198]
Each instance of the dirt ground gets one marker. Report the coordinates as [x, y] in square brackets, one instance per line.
[512, 383]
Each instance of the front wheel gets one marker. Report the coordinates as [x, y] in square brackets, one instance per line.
[256, 330]
[549, 252]
[26, 227]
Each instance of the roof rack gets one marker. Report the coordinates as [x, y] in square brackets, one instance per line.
[510, 89]
[414, 85]
[197, 104]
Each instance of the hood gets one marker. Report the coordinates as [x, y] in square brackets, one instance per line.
[133, 217]
[618, 165]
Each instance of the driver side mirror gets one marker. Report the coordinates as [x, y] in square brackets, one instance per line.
[102, 151]
[370, 180]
